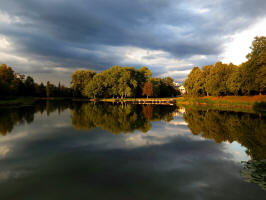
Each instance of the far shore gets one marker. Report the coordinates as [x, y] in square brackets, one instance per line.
[257, 102]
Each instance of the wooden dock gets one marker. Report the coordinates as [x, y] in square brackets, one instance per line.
[150, 101]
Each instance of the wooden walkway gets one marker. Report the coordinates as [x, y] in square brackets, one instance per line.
[157, 102]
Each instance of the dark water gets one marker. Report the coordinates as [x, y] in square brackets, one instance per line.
[64, 150]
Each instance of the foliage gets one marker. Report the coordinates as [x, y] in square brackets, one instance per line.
[80, 79]
[48, 88]
[95, 87]
[195, 82]
[258, 47]
[127, 82]
[15, 85]
[164, 87]
[221, 79]
[260, 107]
[254, 172]
[147, 89]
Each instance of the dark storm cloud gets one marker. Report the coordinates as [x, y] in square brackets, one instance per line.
[86, 33]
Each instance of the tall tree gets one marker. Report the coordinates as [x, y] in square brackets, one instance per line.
[48, 89]
[95, 87]
[80, 79]
[194, 84]
[217, 79]
[261, 80]
[206, 71]
[6, 73]
[29, 86]
[234, 81]
[258, 46]
[252, 68]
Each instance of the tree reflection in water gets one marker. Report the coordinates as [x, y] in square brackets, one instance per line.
[119, 118]
[247, 129]
[13, 116]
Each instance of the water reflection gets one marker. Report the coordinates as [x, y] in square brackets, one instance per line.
[254, 172]
[247, 129]
[167, 162]
[118, 118]
[14, 116]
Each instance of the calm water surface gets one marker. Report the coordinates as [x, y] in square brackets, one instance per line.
[64, 150]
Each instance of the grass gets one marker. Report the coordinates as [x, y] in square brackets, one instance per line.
[235, 103]
[20, 101]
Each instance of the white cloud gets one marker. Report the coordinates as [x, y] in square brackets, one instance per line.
[238, 48]
[4, 43]
[5, 18]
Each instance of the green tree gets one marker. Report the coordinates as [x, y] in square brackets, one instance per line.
[95, 87]
[4, 87]
[234, 81]
[258, 47]
[260, 79]
[48, 89]
[251, 70]
[17, 86]
[29, 86]
[6, 73]
[217, 79]
[80, 79]
[252, 80]
[194, 84]
[206, 71]
[146, 73]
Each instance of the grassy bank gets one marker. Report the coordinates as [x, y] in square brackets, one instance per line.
[21, 101]
[25, 101]
[236, 103]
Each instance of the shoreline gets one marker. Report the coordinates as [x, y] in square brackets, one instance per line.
[239, 103]
[226, 103]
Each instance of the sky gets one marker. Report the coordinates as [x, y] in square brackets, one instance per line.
[51, 39]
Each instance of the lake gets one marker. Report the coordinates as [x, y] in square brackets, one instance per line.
[76, 150]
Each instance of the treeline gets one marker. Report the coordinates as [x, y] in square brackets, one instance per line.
[249, 78]
[14, 84]
[121, 82]
[118, 82]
